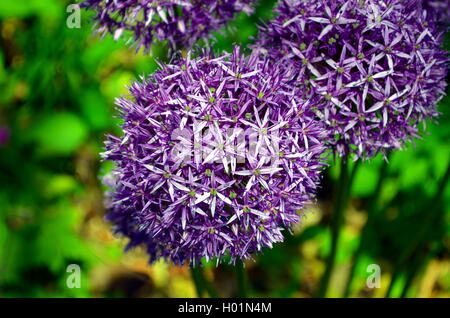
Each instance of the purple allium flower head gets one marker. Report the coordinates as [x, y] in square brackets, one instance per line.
[180, 22]
[219, 155]
[375, 68]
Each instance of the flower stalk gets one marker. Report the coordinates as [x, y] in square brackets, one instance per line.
[418, 239]
[372, 210]
[242, 282]
[336, 222]
[202, 285]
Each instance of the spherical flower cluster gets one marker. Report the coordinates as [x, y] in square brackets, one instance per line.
[180, 22]
[375, 68]
[218, 157]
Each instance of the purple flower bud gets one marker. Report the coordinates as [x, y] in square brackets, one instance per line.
[375, 68]
[180, 22]
[219, 156]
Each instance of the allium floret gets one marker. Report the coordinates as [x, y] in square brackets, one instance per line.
[375, 68]
[179, 22]
[219, 156]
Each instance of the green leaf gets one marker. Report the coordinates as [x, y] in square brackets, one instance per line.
[60, 185]
[57, 240]
[21, 9]
[365, 180]
[95, 109]
[60, 134]
[116, 85]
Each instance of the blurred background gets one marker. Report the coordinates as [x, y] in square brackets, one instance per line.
[57, 90]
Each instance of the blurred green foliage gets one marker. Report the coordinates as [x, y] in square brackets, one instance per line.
[58, 88]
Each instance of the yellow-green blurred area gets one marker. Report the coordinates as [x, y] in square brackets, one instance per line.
[58, 87]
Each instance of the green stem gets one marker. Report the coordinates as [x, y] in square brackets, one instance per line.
[371, 212]
[415, 268]
[197, 274]
[395, 275]
[241, 279]
[352, 177]
[211, 290]
[418, 238]
[336, 222]
[202, 285]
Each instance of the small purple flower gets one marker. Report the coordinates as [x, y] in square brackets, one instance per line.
[180, 22]
[374, 68]
[4, 135]
[219, 156]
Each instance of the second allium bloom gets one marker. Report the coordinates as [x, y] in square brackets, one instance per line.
[179, 22]
[219, 156]
[375, 67]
